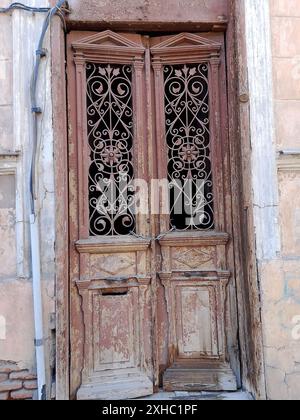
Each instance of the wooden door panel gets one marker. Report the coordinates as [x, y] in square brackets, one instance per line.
[111, 287]
[194, 304]
[190, 258]
[189, 70]
[115, 291]
[118, 319]
[197, 335]
[108, 265]
[196, 309]
[193, 251]
[114, 327]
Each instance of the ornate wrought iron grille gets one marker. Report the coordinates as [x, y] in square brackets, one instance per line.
[188, 141]
[110, 137]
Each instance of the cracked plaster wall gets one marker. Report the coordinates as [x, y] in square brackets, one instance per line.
[19, 34]
[279, 271]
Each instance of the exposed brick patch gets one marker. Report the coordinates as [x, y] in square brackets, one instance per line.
[4, 396]
[32, 385]
[10, 386]
[16, 383]
[3, 377]
[22, 394]
[22, 375]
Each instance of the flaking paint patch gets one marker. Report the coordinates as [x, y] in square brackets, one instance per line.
[18, 345]
[149, 10]
[8, 243]
[7, 192]
[291, 287]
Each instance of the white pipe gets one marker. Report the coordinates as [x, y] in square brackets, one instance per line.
[38, 306]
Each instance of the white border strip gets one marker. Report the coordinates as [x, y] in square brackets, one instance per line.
[264, 170]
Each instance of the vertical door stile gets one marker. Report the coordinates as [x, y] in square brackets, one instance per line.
[140, 141]
[161, 146]
[82, 153]
[216, 143]
[152, 218]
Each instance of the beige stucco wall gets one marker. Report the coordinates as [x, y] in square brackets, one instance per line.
[280, 277]
[16, 341]
[19, 34]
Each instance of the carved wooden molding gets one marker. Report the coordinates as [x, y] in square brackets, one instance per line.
[193, 258]
[107, 47]
[98, 245]
[186, 48]
[99, 284]
[195, 276]
[194, 239]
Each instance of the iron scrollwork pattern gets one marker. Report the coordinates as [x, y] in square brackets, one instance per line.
[187, 116]
[110, 138]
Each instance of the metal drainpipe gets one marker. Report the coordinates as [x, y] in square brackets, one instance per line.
[38, 307]
[34, 220]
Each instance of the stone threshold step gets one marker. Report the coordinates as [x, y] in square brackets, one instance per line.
[199, 396]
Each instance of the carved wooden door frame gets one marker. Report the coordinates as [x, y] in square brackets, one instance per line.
[89, 273]
[248, 313]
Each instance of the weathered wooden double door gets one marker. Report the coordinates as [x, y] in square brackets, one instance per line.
[152, 282]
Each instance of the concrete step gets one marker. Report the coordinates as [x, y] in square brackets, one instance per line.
[199, 396]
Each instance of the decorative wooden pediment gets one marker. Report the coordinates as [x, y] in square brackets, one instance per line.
[108, 45]
[187, 40]
[187, 47]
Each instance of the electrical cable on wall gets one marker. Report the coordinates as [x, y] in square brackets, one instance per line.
[40, 53]
[21, 6]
